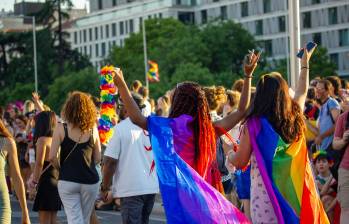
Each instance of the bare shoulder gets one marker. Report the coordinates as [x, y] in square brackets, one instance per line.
[9, 145]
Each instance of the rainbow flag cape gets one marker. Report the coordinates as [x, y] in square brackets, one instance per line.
[187, 198]
[287, 175]
[153, 73]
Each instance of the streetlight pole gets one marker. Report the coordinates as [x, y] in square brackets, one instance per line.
[145, 53]
[34, 49]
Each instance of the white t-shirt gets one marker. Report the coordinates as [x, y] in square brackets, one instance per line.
[146, 111]
[135, 172]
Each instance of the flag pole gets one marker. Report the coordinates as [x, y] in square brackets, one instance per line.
[294, 33]
[145, 54]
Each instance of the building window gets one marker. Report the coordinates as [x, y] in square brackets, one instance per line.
[107, 31]
[126, 26]
[344, 37]
[113, 29]
[332, 16]
[282, 23]
[317, 38]
[121, 27]
[334, 58]
[85, 36]
[266, 6]
[224, 13]
[90, 51]
[131, 26]
[306, 20]
[268, 47]
[96, 33]
[80, 36]
[259, 27]
[315, 2]
[244, 9]
[100, 6]
[103, 49]
[160, 15]
[90, 34]
[114, 2]
[97, 50]
[186, 17]
[203, 16]
[101, 28]
[75, 37]
[85, 50]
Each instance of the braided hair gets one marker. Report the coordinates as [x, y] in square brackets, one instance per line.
[189, 98]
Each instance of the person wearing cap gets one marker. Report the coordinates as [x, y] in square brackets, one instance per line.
[129, 165]
[325, 182]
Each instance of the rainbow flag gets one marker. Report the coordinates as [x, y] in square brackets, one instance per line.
[153, 73]
[287, 175]
[187, 198]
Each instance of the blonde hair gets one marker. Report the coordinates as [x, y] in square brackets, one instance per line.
[80, 111]
[215, 96]
[233, 98]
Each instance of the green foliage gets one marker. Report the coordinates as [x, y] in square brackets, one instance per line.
[86, 80]
[209, 55]
[20, 91]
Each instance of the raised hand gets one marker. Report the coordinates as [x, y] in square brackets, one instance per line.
[306, 56]
[250, 62]
[35, 97]
[118, 76]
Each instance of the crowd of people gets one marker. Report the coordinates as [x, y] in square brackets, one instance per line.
[58, 161]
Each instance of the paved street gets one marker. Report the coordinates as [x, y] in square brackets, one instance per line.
[105, 217]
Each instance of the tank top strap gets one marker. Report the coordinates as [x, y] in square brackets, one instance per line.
[65, 130]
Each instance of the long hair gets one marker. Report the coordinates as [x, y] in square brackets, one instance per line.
[273, 102]
[189, 98]
[80, 111]
[45, 123]
[3, 130]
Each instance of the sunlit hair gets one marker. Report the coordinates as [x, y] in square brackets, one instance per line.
[136, 85]
[336, 84]
[189, 98]
[45, 123]
[238, 85]
[233, 98]
[28, 106]
[80, 111]
[273, 102]
[4, 132]
[215, 97]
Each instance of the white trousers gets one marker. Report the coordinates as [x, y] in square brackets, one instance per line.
[78, 200]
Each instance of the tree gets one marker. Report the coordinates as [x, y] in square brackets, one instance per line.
[209, 55]
[86, 80]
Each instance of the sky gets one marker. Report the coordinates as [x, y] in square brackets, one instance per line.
[8, 4]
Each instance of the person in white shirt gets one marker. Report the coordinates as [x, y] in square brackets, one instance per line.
[128, 159]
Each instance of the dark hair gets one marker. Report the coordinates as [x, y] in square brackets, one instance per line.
[311, 94]
[189, 98]
[273, 102]
[336, 84]
[22, 118]
[45, 123]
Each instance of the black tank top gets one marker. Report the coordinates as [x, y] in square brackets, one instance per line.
[79, 167]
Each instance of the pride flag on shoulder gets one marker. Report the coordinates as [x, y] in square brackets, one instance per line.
[153, 72]
[187, 197]
[287, 175]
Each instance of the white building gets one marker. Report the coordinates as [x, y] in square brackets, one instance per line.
[111, 21]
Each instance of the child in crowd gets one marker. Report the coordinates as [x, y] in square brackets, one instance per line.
[325, 182]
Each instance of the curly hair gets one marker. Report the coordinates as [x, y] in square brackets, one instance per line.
[80, 111]
[273, 102]
[189, 98]
[215, 96]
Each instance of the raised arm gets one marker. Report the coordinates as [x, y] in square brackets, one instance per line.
[227, 123]
[132, 109]
[37, 102]
[303, 80]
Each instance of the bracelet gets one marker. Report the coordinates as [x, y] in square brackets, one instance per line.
[305, 67]
[248, 76]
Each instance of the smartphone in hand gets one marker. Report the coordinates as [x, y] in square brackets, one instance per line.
[310, 45]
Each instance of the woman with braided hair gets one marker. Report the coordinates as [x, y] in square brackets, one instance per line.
[199, 148]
